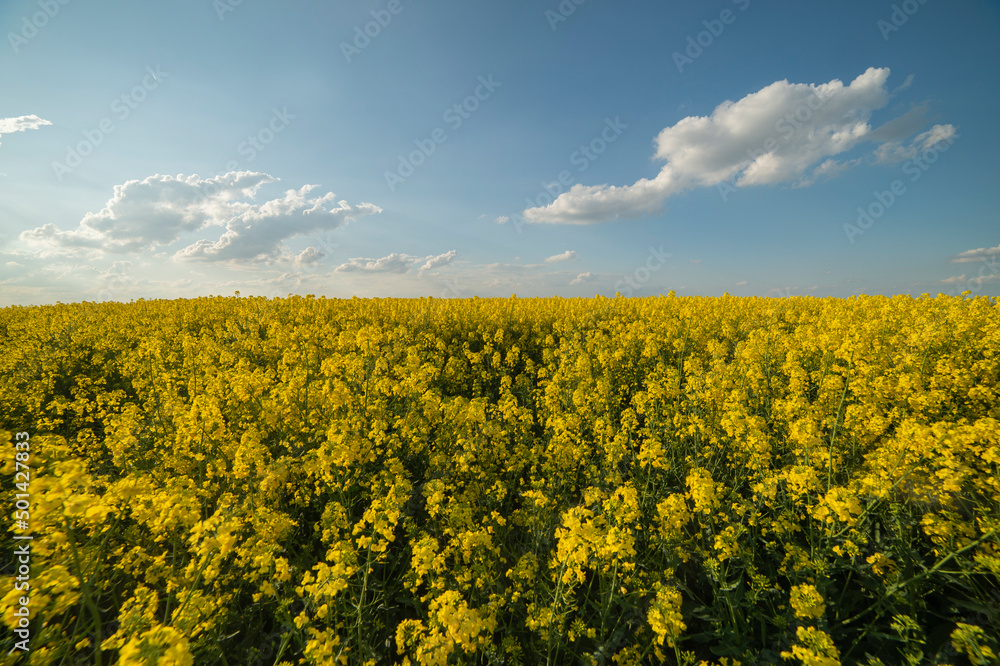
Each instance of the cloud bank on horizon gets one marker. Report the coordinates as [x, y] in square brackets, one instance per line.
[783, 133]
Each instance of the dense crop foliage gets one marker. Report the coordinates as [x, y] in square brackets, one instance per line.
[253, 481]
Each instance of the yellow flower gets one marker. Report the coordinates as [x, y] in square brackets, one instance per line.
[814, 648]
[665, 617]
[975, 643]
[807, 602]
[881, 564]
[702, 491]
[838, 504]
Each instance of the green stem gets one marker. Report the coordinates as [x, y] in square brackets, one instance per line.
[892, 590]
[88, 601]
[836, 422]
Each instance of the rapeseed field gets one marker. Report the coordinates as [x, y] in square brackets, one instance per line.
[681, 480]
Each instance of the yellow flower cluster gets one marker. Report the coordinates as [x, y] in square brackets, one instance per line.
[316, 481]
[813, 648]
[665, 617]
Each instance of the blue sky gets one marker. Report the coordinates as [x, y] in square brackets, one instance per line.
[454, 149]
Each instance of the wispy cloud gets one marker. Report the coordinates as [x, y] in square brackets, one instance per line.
[893, 152]
[979, 254]
[979, 279]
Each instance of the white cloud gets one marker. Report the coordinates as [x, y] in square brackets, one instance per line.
[989, 269]
[257, 233]
[893, 152]
[828, 169]
[741, 283]
[775, 135]
[439, 260]
[583, 277]
[979, 279]
[906, 84]
[393, 263]
[979, 254]
[568, 255]
[396, 263]
[155, 212]
[21, 124]
[310, 256]
[696, 261]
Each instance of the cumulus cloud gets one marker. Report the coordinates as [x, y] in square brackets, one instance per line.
[979, 254]
[568, 255]
[257, 233]
[775, 135]
[439, 260]
[583, 278]
[155, 212]
[21, 124]
[309, 256]
[393, 263]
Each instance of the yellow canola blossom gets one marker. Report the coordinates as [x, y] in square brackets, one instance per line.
[307, 480]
